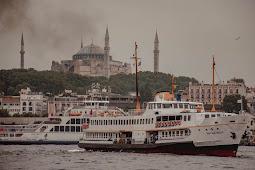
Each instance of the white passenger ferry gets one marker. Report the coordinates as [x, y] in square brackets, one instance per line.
[167, 127]
[58, 129]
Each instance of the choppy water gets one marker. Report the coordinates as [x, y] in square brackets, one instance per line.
[71, 157]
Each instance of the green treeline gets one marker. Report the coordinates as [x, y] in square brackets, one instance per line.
[12, 81]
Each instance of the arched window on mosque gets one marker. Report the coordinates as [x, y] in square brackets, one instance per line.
[24, 103]
[30, 103]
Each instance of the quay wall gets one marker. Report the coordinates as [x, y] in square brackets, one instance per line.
[20, 120]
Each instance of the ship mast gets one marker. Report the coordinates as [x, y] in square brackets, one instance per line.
[213, 108]
[173, 85]
[137, 97]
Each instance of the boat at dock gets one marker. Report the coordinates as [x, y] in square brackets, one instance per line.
[57, 129]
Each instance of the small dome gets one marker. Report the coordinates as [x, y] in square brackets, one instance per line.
[91, 49]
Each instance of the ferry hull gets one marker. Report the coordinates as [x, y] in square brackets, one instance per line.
[180, 149]
[38, 142]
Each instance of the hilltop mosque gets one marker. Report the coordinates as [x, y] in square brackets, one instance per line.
[93, 60]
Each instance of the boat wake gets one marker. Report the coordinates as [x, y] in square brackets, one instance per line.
[76, 150]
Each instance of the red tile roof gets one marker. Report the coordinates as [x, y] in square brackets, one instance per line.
[10, 99]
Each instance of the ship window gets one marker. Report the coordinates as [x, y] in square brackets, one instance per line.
[72, 121]
[186, 106]
[149, 121]
[181, 133]
[101, 104]
[170, 134]
[56, 128]
[78, 128]
[167, 105]
[177, 133]
[164, 118]
[184, 118]
[181, 106]
[67, 129]
[106, 122]
[78, 121]
[189, 117]
[158, 118]
[61, 128]
[171, 117]
[163, 134]
[92, 104]
[152, 120]
[68, 122]
[173, 132]
[72, 128]
[218, 115]
[213, 115]
[175, 106]
[130, 121]
[178, 117]
[51, 130]
[207, 116]
[159, 105]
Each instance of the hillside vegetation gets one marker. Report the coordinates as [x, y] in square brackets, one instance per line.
[12, 81]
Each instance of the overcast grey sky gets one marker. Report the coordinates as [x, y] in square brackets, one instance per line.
[190, 32]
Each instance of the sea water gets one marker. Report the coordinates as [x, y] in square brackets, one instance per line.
[60, 157]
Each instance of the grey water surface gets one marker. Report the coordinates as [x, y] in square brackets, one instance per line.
[60, 157]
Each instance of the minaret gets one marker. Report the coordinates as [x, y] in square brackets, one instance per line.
[22, 52]
[156, 54]
[106, 55]
[81, 43]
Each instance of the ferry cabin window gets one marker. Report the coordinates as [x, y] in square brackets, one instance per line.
[152, 120]
[51, 130]
[72, 121]
[61, 128]
[207, 116]
[56, 128]
[164, 118]
[72, 128]
[184, 118]
[78, 128]
[171, 117]
[165, 106]
[67, 129]
[175, 106]
[158, 118]
[189, 117]
[159, 105]
[178, 117]
[186, 106]
[101, 104]
[213, 115]
[78, 121]
[68, 122]
[181, 106]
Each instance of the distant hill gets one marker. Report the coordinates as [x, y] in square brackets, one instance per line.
[12, 81]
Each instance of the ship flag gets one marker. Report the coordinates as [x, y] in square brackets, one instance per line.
[91, 112]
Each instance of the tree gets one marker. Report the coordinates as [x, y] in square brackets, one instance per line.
[230, 104]
[4, 113]
[146, 93]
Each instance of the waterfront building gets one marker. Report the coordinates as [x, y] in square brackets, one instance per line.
[32, 102]
[250, 97]
[93, 60]
[201, 92]
[11, 103]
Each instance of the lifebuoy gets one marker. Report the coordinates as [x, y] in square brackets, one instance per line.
[172, 123]
[179, 122]
[162, 124]
[169, 123]
[175, 123]
[156, 124]
[165, 124]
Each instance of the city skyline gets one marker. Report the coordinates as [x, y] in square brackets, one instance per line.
[189, 34]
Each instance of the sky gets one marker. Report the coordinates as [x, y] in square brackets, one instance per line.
[190, 32]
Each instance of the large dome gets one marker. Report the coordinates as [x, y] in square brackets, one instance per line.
[91, 49]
